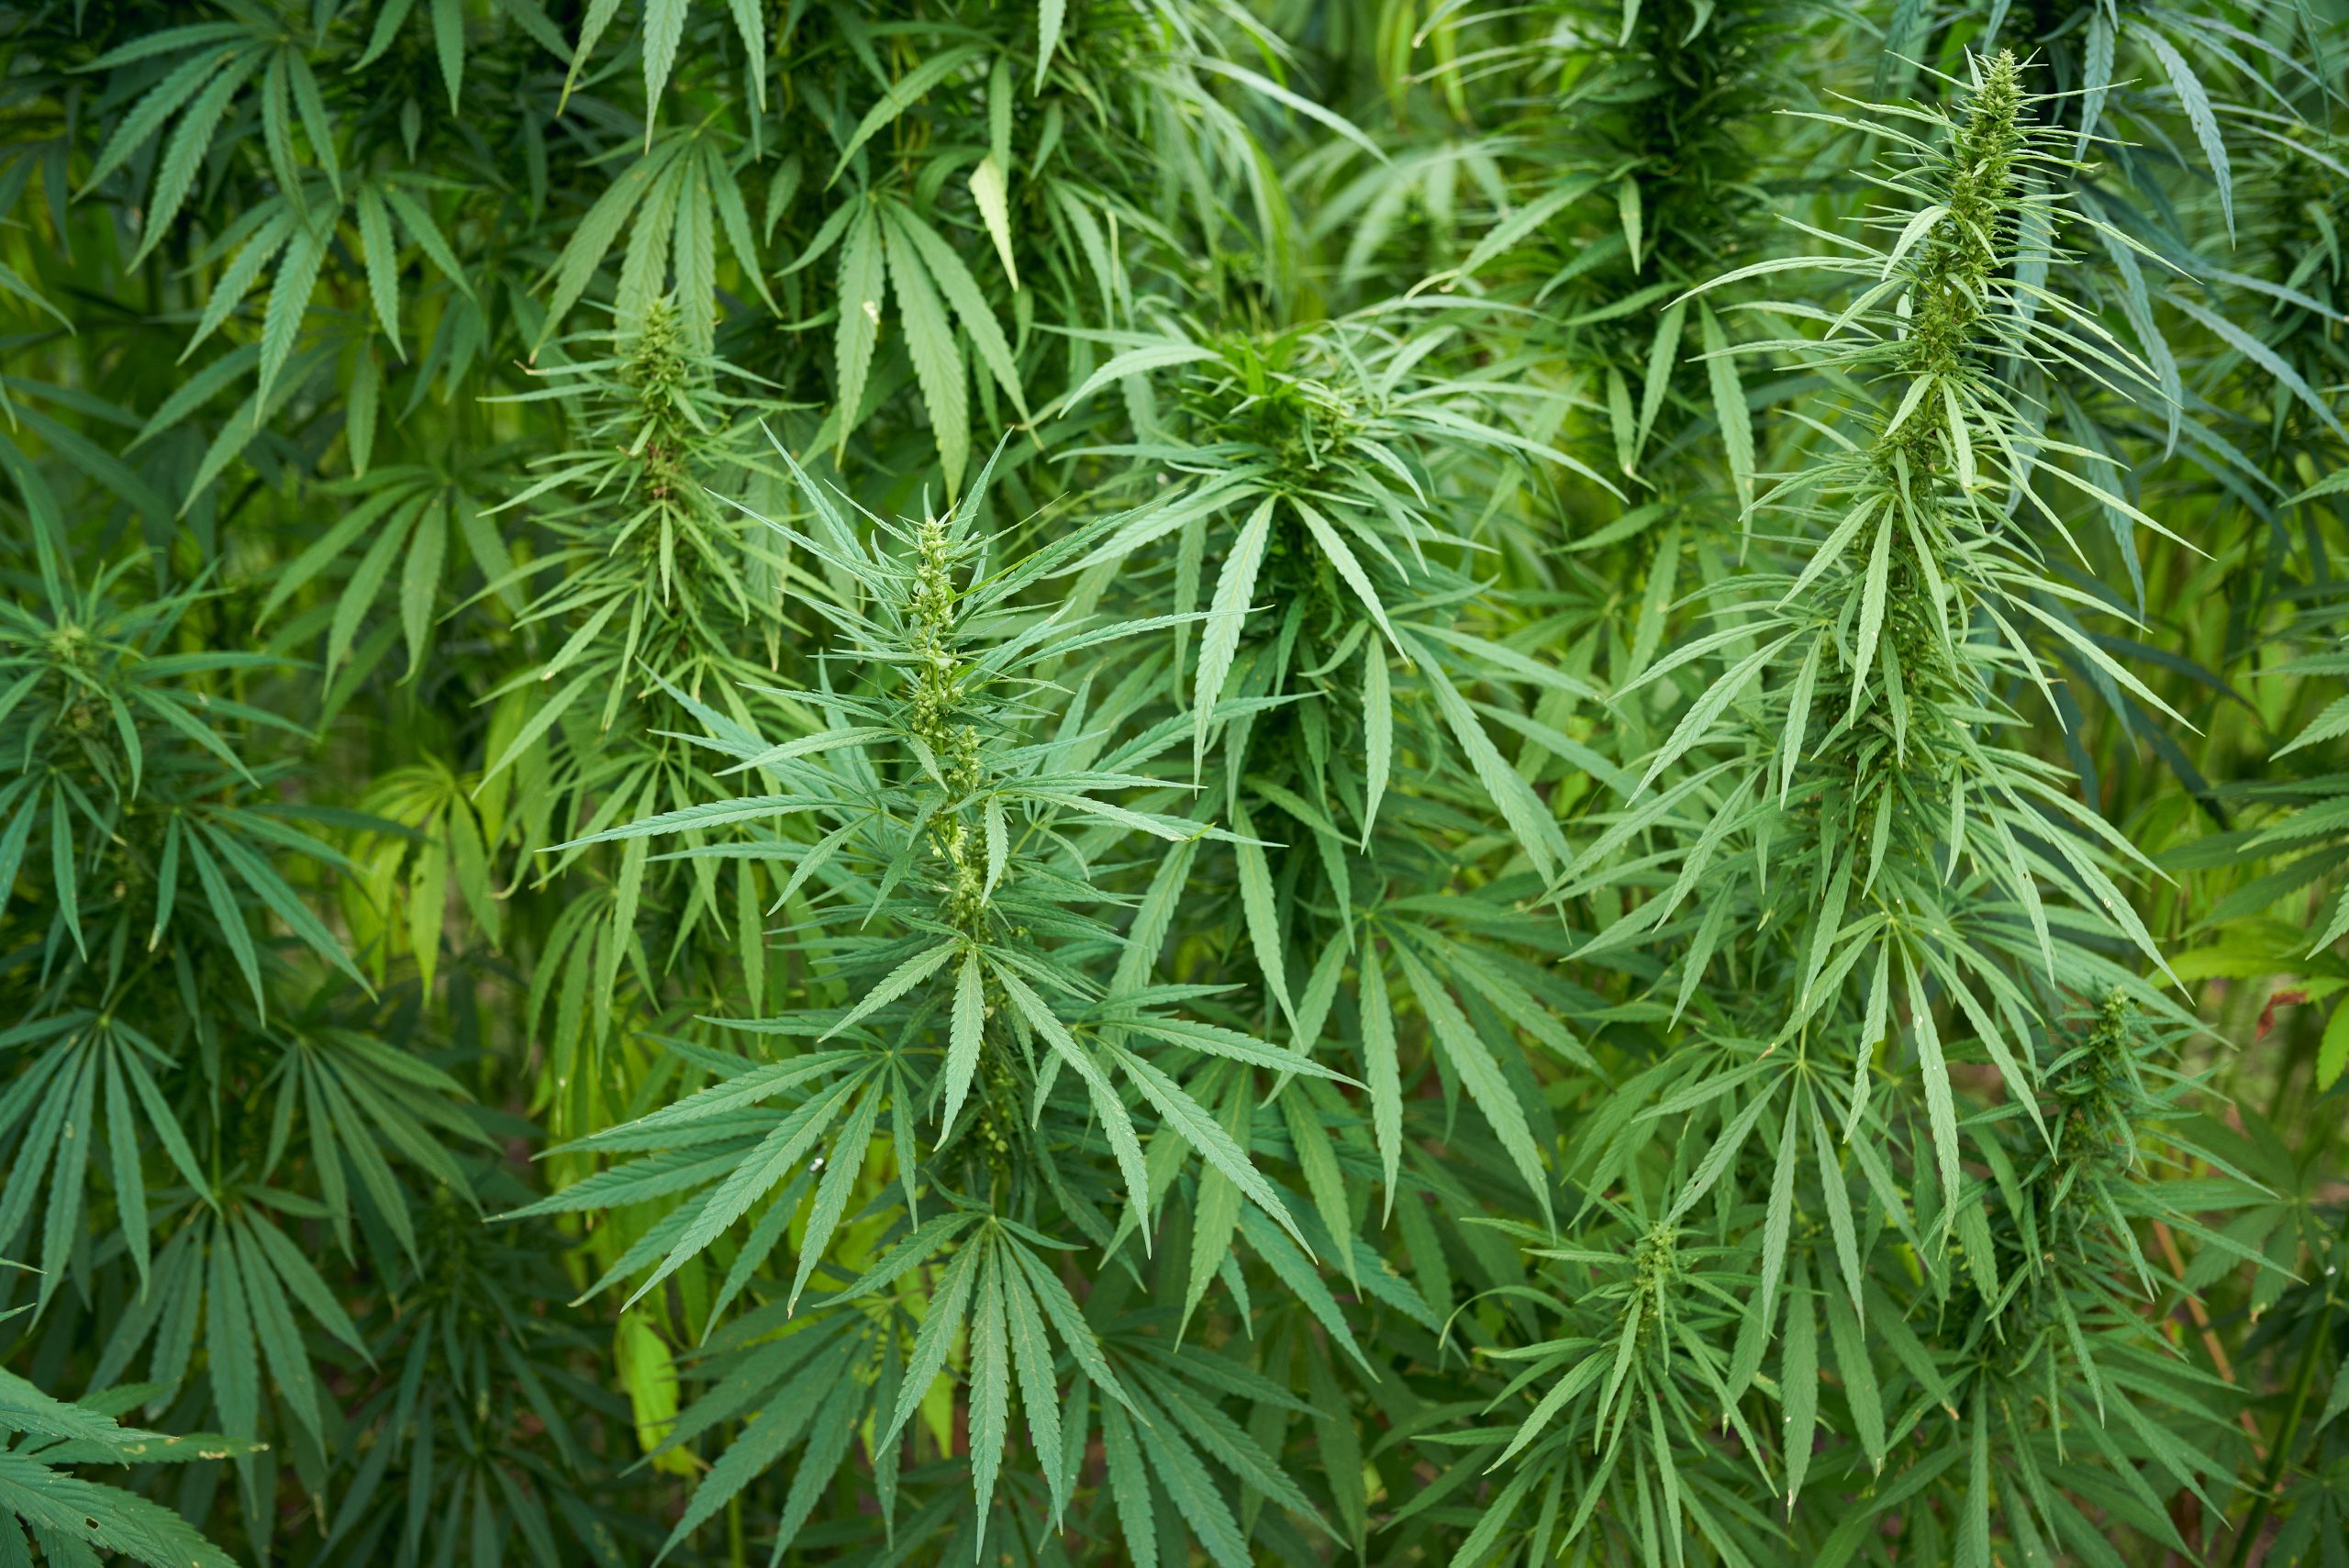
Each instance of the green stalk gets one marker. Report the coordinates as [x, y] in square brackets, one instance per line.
[2280, 1455]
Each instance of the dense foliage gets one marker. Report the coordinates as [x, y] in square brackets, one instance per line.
[1170, 781]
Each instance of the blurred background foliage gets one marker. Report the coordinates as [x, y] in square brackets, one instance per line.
[1166, 782]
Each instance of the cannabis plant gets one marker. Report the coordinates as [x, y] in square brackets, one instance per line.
[1171, 782]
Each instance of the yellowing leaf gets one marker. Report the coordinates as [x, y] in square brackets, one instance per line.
[992, 192]
[648, 1375]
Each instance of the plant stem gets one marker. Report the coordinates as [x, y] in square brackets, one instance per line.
[2280, 1455]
